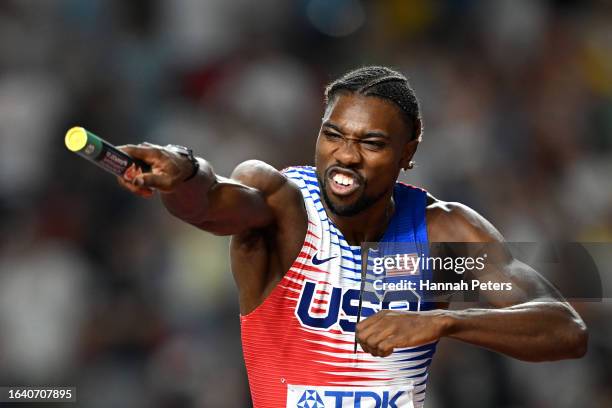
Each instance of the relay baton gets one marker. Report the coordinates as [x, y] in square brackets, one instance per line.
[100, 152]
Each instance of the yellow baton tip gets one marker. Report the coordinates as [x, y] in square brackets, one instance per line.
[76, 139]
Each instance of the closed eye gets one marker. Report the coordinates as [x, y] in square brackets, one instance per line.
[331, 135]
[374, 144]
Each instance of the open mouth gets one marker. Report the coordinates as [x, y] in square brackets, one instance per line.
[342, 182]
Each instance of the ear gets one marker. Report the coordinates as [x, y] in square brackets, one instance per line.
[407, 154]
[411, 147]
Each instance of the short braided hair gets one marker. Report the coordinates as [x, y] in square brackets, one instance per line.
[384, 83]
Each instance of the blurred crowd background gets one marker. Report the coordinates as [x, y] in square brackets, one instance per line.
[105, 291]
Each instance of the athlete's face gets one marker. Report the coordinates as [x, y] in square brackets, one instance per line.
[362, 145]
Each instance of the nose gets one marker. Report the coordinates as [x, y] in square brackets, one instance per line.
[348, 153]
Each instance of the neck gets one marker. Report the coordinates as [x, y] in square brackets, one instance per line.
[367, 226]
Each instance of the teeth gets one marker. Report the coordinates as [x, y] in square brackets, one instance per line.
[342, 179]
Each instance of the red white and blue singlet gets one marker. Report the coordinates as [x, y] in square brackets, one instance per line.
[298, 344]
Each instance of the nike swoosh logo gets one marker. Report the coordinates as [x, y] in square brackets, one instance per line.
[317, 261]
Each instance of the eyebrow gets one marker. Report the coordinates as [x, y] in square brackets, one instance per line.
[374, 133]
[369, 134]
[328, 124]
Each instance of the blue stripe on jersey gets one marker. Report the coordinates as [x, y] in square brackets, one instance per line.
[348, 268]
[421, 383]
[429, 354]
[423, 365]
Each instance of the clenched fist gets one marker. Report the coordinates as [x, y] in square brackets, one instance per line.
[381, 333]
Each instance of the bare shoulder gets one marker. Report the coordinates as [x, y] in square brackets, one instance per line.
[262, 176]
[279, 193]
[456, 222]
[276, 188]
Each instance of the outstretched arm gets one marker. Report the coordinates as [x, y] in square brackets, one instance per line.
[260, 207]
[224, 206]
[531, 322]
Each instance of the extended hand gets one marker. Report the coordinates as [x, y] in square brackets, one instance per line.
[381, 333]
[168, 169]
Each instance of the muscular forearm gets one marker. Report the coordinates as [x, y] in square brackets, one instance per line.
[534, 331]
[189, 200]
[222, 206]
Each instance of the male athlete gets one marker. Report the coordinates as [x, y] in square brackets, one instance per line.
[295, 255]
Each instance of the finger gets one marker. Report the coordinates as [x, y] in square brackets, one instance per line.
[158, 181]
[367, 322]
[387, 346]
[374, 339]
[131, 172]
[148, 154]
[372, 350]
[140, 191]
[127, 184]
[382, 349]
[364, 347]
[370, 325]
[362, 336]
